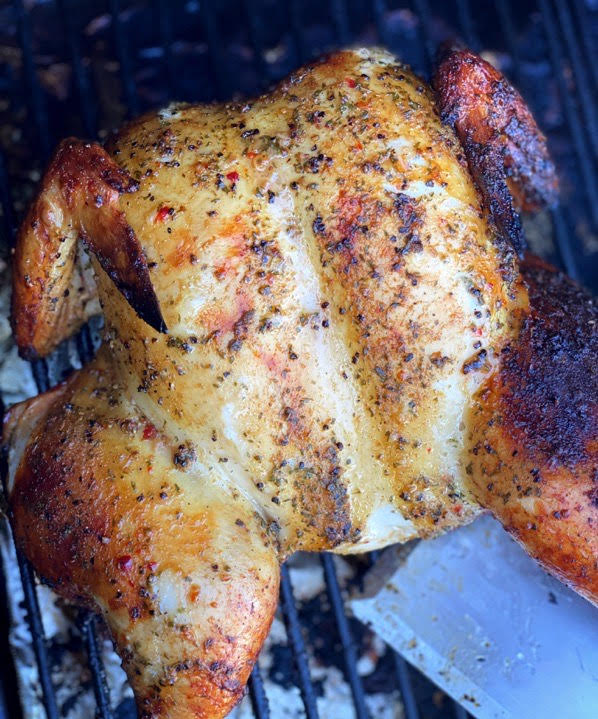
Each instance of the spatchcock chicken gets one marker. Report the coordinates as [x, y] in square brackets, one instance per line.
[322, 332]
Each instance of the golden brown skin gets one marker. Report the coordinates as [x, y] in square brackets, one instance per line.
[505, 150]
[186, 576]
[78, 200]
[337, 303]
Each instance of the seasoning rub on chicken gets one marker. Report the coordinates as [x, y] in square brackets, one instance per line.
[319, 335]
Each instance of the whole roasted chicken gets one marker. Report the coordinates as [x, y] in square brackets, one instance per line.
[320, 334]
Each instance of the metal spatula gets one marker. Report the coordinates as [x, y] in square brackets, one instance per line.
[480, 618]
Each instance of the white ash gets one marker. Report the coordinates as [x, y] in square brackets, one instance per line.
[16, 380]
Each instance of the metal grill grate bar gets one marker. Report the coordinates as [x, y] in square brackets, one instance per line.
[467, 25]
[217, 58]
[423, 13]
[98, 674]
[336, 600]
[35, 95]
[563, 242]
[295, 20]
[6, 203]
[402, 672]
[379, 8]
[578, 136]
[508, 31]
[338, 10]
[588, 106]
[588, 44]
[38, 638]
[257, 694]
[255, 35]
[86, 103]
[120, 45]
[295, 638]
[37, 103]
[162, 9]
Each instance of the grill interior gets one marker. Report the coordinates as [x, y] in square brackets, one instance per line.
[82, 68]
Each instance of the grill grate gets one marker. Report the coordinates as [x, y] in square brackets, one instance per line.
[579, 137]
[565, 33]
[295, 637]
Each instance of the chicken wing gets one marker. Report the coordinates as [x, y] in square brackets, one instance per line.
[506, 152]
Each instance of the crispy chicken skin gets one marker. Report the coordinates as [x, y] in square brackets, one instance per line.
[506, 152]
[79, 200]
[317, 337]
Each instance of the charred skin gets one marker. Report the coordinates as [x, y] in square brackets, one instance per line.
[346, 330]
[506, 152]
[534, 452]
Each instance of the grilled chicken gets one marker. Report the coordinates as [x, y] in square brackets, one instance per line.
[318, 336]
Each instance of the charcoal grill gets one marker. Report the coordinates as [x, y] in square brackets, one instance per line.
[118, 59]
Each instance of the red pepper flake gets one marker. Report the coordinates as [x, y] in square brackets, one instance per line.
[350, 81]
[251, 154]
[149, 431]
[163, 213]
[233, 177]
[124, 563]
[458, 508]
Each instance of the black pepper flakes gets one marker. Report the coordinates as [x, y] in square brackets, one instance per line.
[318, 226]
[184, 455]
[477, 362]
